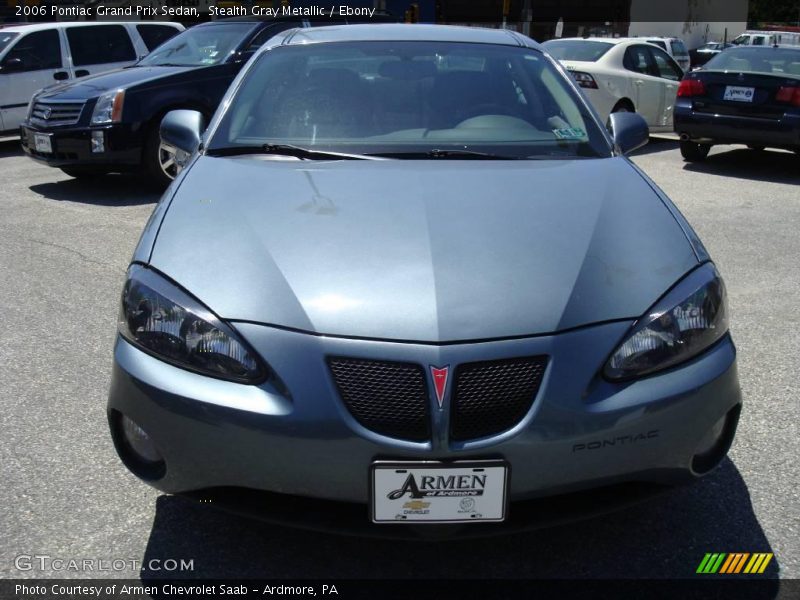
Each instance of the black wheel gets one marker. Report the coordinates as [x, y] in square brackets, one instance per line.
[619, 107]
[694, 152]
[623, 106]
[85, 172]
[159, 159]
[755, 147]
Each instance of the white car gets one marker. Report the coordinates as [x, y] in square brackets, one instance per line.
[622, 74]
[33, 56]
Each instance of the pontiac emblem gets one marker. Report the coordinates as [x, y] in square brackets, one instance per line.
[439, 375]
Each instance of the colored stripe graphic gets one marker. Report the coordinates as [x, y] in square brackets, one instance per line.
[734, 563]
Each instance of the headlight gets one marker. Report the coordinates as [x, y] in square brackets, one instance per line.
[108, 108]
[31, 103]
[689, 319]
[163, 320]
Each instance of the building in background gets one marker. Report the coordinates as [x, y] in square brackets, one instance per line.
[702, 22]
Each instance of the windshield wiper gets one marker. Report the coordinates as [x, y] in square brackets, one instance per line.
[288, 150]
[445, 154]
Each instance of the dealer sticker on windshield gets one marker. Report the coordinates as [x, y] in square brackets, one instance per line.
[739, 94]
[433, 492]
[570, 133]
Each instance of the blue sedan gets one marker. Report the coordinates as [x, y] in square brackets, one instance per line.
[406, 279]
[747, 95]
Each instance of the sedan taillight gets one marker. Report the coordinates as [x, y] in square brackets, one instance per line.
[789, 94]
[584, 80]
[691, 87]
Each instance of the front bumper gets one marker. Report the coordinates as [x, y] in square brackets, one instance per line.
[72, 146]
[231, 441]
[715, 128]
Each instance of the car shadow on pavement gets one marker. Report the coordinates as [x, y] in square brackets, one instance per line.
[743, 163]
[656, 144]
[108, 190]
[10, 147]
[666, 537]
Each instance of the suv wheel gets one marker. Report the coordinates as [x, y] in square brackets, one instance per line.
[159, 159]
[694, 152]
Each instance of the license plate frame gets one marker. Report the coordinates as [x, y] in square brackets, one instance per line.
[738, 93]
[466, 504]
[43, 143]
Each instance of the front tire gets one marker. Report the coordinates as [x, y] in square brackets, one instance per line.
[693, 152]
[158, 159]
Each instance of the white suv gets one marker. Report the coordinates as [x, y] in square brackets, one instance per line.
[674, 47]
[37, 55]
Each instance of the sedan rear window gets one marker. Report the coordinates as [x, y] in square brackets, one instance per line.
[407, 99]
[773, 61]
[580, 50]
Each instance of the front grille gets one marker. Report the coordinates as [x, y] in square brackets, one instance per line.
[390, 398]
[491, 397]
[57, 113]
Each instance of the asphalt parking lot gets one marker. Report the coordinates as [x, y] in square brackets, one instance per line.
[64, 248]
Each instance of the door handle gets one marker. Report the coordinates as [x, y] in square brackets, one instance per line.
[60, 75]
[81, 73]
[638, 81]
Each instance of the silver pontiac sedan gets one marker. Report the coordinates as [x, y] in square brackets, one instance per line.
[406, 281]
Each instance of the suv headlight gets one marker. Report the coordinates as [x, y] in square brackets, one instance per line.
[165, 321]
[690, 318]
[108, 108]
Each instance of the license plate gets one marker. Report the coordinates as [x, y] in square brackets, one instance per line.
[433, 492]
[42, 143]
[739, 94]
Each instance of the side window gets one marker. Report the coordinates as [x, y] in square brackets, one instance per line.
[154, 35]
[678, 48]
[97, 44]
[637, 59]
[38, 50]
[758, 40]
[268, 33]
[666, 66]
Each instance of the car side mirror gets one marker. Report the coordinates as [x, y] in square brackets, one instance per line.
[628, 130]
[12, 65]
[183, 129]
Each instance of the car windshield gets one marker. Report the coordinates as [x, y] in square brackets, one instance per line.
[199, 46]
[774, 61]
[409, 100]
[580, 50]
[5, 39]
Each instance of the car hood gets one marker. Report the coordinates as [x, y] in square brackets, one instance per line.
[94, 85]
[429, 251]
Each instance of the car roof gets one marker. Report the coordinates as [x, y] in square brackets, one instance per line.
[403, 32]
[610, 41]
[29, 27]
[766, 47]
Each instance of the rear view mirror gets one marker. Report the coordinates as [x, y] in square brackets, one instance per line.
[182, 129]
[12, 65]
[629, 131]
